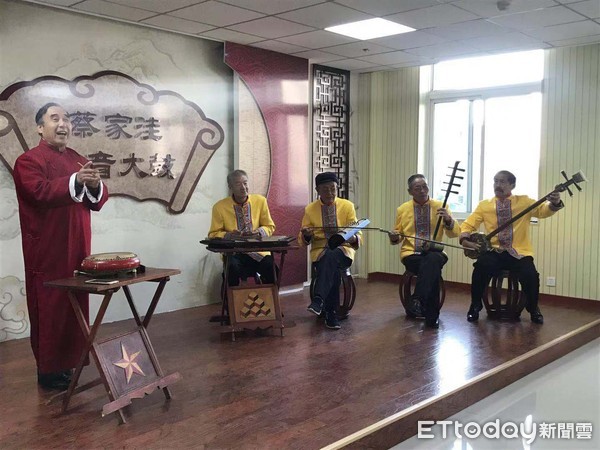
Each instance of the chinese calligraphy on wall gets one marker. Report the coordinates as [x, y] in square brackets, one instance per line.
[147, 144]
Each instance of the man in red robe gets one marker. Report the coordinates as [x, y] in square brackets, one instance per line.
[56, 189]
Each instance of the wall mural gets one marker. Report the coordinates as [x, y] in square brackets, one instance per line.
[14, 322]
[331, 124]
[147, 144]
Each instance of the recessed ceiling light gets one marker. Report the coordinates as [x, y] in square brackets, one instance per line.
[370, 29]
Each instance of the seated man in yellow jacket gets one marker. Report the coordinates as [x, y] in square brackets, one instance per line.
[243, 215]
[512, 249]
[418, 217]
[321, 220]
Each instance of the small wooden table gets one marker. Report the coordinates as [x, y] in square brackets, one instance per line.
[258, 305]
[127, 363]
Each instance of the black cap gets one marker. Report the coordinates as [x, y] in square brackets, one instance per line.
[325, 177]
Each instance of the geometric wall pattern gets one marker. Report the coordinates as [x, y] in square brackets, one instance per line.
[331, 124]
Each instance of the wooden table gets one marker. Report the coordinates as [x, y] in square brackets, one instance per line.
[127, 363]
[257, 305]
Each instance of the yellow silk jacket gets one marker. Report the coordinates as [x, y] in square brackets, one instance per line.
[406, 224]
[345, 214]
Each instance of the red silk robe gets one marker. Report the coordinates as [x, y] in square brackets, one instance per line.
[56, 233]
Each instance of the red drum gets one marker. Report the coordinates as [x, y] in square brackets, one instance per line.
[109, 263]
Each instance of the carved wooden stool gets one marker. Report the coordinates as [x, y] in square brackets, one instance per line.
[407, 288]
[504, 303]
[347, 291]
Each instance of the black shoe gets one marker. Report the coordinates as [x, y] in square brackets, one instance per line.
[331, 321]
[316, 306]
[536, 316]
[432, 323]
[414, 307]
[66, 375]
[54, 381]
[410, 314]
[473, 314]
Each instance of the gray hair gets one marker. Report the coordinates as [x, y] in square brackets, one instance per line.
[414, 177]
[509, 176]
[235, 174]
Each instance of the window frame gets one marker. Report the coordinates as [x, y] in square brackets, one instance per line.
[451, 95]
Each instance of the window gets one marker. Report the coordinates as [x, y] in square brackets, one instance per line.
[486, 113]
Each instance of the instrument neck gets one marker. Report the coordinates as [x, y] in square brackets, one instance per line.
[451, 184]
[517, 217]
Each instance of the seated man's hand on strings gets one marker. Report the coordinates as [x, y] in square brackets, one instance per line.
[395, 237]
[307, 233]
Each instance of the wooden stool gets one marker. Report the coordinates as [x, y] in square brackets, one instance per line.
[407, 288]
[504, 304]
[347, 292]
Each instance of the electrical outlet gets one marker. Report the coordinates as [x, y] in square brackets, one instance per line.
[551, 281]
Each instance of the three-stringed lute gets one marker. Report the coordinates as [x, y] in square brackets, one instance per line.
[484, 240]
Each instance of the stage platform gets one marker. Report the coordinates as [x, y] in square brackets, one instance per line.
[364, 386]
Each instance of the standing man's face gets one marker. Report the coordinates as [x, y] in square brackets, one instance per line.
[327, 192]
[419, 190]
[56, 127]
[239, 187]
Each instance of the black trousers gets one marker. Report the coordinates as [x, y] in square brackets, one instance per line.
[428, 266]
[242, 266]
[328, 278]
[492, 262]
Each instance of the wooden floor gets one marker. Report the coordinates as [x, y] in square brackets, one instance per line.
[306, 390]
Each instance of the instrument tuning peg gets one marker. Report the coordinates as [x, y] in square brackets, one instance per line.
[460, 178]
[458, 169]
[580, 177]
[564, 174]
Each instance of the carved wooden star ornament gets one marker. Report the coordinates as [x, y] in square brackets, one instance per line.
[128, 364]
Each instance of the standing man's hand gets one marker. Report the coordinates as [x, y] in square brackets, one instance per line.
[88, 176]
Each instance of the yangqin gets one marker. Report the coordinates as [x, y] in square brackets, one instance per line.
[248, 243]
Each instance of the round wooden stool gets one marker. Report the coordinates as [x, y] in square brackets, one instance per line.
[407, 288]
[347, 292]
[504, 303]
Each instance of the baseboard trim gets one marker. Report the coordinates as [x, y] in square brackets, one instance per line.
[587, 304]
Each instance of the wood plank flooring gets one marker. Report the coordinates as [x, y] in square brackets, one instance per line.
[306, 390]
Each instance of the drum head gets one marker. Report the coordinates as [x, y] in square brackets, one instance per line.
[110, 263]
